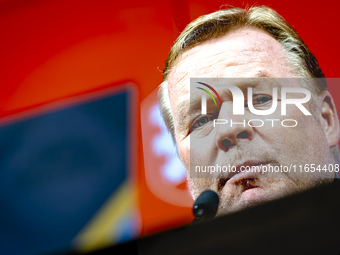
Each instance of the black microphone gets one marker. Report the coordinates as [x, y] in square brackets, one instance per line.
[205, 206]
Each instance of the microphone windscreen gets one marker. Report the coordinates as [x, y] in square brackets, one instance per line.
[206, 206]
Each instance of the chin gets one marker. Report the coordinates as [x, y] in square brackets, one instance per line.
[249, 199]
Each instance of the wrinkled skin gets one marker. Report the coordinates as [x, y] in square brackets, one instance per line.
[249, 53]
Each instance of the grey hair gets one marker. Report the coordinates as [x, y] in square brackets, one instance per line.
[302, 62]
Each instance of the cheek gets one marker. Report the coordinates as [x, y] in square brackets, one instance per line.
[203, 151]
[184, 152]
[197, 155]
[305, 143]
[198, 185]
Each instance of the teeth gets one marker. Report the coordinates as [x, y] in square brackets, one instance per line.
[247, 183]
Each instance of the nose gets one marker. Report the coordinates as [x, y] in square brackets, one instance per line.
[230, 133]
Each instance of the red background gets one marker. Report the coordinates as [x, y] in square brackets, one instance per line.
[54, 49]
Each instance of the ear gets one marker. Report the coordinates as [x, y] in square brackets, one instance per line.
[330, 119]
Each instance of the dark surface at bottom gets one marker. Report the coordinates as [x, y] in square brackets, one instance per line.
[306, 223]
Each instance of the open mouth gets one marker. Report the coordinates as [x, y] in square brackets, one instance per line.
[246, 183]
[242, 177]
[221, 183]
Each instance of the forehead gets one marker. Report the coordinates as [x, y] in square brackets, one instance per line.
[247, 52]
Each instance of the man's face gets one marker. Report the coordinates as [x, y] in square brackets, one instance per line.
[247, 53]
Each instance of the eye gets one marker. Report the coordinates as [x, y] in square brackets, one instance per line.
[201, 121]
[261, 99]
